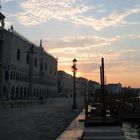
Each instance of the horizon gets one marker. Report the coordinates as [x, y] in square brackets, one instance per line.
[86, 30]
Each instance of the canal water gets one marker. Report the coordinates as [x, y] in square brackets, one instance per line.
[75, 129]
[131, 130]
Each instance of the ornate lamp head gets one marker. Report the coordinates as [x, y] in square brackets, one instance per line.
[74, 62]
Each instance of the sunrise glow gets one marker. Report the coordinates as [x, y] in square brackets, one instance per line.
[86, 30]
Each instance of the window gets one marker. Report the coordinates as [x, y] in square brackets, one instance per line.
[27, 58]
[55, 73]
[11, 76]
[18, 54]
[41, 67]
[51, 70]
[6, 75]
[12, 92]
[35, 62]
[45, 66]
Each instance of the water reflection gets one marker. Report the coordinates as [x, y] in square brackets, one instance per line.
[132, 131]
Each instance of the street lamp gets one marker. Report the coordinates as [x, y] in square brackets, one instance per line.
[74, 70]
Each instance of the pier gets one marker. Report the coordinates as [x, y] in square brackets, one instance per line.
[103, 133]
[99, 122]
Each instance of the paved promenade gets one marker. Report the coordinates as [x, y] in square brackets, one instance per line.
[38, 122]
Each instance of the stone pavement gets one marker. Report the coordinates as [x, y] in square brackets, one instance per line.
[39, 122]
[75, 130]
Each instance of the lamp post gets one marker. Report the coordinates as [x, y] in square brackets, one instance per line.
[74, 70]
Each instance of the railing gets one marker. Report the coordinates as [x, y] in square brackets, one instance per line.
[21, 103]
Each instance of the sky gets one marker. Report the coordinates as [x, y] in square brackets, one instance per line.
[86, 30]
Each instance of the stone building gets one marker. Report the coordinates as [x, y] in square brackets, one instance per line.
[27, 71]
[83, 87]
[65, 84]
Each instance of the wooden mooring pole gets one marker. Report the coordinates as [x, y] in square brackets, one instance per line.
[103, 89]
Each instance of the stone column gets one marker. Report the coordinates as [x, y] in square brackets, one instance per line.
[1, 61]
[31, 65]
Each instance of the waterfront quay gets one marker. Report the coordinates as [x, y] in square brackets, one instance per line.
[38, 122]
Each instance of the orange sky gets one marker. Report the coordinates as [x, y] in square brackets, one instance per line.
[126, 78]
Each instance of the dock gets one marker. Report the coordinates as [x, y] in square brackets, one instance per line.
[103, 133]
[131, 117]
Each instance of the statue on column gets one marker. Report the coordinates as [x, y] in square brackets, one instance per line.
[2, 17]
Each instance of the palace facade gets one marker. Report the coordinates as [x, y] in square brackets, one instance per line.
[27, 70]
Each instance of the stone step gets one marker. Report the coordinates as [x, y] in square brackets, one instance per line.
[107, 133]
[103, 128]
[104, 138]
[103, 133]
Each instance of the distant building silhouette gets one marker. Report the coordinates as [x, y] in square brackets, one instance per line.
[93, 86]
[83, 85]
[114, 88]
[65, 84]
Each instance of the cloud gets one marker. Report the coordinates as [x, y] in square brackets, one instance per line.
[115, 19]
[133, 36]
[131, 50]
[5, 1]
[36, 12]
[88, 58]
[84, 48]
[79, 42]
